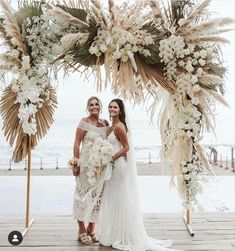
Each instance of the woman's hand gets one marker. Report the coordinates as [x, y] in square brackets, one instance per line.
[112, 160]
[76, 170]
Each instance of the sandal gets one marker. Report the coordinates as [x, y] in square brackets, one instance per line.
[85, 239]
[93, 237]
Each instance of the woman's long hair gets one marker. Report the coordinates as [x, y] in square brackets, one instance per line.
[122, 115]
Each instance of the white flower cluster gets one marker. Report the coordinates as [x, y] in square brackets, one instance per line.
[191, 171]
[42, 34]
[100, 155]
[184, 65]
[120, 43]
[31, 86]
[189, 122]
[175, 53]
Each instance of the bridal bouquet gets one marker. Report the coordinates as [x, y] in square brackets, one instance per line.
[99, 160]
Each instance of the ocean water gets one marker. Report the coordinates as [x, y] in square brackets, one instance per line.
[57, 145]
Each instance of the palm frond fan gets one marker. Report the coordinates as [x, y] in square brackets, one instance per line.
[12, 126]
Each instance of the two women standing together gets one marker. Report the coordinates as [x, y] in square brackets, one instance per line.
[113, 203]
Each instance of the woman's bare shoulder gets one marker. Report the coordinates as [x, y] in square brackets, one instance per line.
[105, 122]
[85, 119]
[120, 126]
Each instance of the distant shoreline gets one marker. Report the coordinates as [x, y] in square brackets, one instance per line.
[148, 169]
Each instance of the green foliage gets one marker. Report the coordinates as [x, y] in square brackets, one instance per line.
[81, 53]
[28, 9]
[78, 13]
[153, 48]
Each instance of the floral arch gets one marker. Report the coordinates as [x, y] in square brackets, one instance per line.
[151, 53]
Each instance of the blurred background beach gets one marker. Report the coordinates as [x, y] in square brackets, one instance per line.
[74, 90]
[56, 147]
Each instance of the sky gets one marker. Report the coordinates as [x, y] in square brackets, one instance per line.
[73, 91]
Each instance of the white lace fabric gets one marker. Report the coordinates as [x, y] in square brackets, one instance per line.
[86, 203]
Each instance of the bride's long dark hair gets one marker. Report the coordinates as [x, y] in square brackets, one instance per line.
[122, 115]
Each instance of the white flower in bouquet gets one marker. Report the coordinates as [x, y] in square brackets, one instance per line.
[15, 53]
[42, 71]
[42, 34]
[119, 41]
[194, 79]
[201, 62]
[196, 88]
[100, 155]
[203, 53]
[93, 50]
[181, 63]
[189, 67]
[195, 101]
[196, 54]
[117, 54]
[25, 63]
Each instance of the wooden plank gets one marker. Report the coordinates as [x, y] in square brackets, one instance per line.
[59, 233]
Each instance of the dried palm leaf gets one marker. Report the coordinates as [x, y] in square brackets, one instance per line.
[213, 39]
[28, 9]
[65, 17]
[5, 67]
[203, 158]
[11, 27]
[158, 15]
[97, 7]
[9, 59]
[209, 79]
[208, 28]
[74, 38]
[112, 13]
[3, 35]
[218, 97]
[73, 3]
[126, 80]
[198, 12]
[154, 73]
[12, 127]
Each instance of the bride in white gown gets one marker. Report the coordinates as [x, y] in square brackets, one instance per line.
[120, 220]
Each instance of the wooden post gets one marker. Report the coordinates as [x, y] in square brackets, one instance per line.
[150, 161]
[232, 161]
[9, 169]
[25, 164]
[41, 168]
[226, 163]
[187, 222]
[57, 163]
[221, 161]
[27, 223]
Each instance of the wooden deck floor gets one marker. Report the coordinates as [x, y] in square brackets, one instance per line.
[213, 231]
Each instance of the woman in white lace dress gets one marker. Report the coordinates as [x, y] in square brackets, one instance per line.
[120, 220]
[87, 197]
